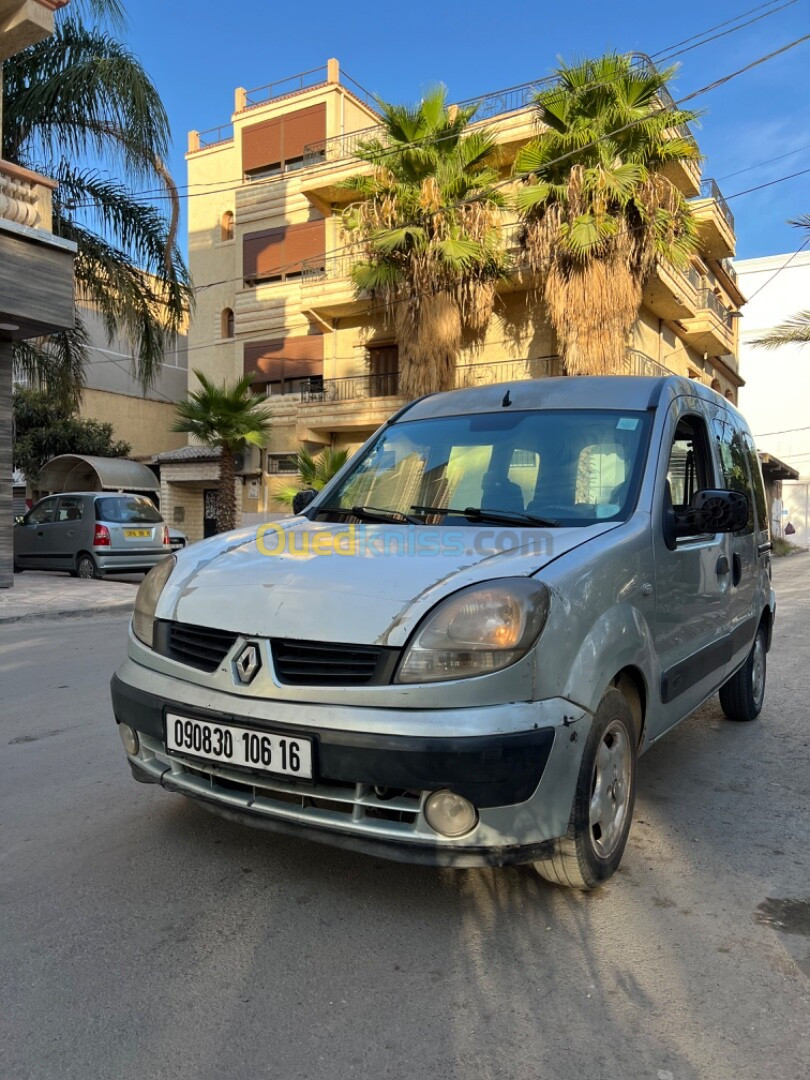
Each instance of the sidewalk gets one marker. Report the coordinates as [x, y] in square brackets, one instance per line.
[37, 595]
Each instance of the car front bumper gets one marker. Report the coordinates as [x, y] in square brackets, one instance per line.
[371, 785]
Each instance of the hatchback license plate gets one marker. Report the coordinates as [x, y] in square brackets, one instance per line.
[264, 750]
[132, 534]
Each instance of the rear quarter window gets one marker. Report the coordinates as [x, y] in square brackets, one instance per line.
[127, 510]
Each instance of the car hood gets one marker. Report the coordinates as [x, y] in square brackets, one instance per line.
[366, 584]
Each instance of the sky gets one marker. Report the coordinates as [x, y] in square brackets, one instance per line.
[198, 52]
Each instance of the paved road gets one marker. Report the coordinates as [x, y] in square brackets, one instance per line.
[142, 938]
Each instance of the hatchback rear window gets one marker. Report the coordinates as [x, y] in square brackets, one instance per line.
[126, 509]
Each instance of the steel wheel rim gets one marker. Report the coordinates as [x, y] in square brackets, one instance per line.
[758, 671]
[85, 568]
[610, 789]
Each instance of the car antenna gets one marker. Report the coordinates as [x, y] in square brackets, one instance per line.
[507, 401]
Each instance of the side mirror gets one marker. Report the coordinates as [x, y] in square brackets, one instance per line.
[711, 511]
[302, 499]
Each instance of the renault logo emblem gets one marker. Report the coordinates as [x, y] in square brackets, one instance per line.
[248, 663]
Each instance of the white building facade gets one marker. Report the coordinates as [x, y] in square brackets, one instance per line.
[776, 395]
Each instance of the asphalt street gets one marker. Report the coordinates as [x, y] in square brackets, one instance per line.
[141, 937]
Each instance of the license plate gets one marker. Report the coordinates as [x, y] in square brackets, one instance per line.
[263, 750]
[132, 534]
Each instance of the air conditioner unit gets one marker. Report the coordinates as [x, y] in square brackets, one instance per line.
[248, 462]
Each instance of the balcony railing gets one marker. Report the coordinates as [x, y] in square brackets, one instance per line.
[709, 302]
[710, 190]
[386, 384]
[727, 267]
[25, 196]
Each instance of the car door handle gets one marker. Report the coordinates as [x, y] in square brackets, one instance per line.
[737, 564]
[40, 533]
[722, 566]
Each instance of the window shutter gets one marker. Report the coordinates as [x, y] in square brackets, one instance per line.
[263, 254]
[303, 127]
[305, 243]
[262, 145]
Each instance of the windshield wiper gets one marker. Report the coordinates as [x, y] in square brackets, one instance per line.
[480, 513]
[393, 517]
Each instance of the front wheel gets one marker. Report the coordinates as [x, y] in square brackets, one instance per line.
[592, 849]
[742, 696]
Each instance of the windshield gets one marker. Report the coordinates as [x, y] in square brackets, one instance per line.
[126, 509]
[573, 467]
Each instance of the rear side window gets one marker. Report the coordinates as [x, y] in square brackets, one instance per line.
[126, 510]
[759, 488]
[734, 463]
[71, 508]
[689, 468]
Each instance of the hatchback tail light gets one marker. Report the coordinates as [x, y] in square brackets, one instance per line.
[166, 538]
[101, 536]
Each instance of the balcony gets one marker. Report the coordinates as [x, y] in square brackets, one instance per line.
[727, 275]
[327, 289]
[670, 293]
[712, 330]
[36, 268]
[715, 222]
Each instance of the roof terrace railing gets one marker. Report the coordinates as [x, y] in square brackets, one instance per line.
[497, 103]
[213, 136]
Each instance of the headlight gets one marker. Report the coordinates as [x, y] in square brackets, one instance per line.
[479, 629]
[143, 619]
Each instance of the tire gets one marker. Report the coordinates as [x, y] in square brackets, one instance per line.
[742, 696]
[592, 849]
[86, 566]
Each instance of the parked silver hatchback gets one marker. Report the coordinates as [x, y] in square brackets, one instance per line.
[456, 652]
[90, 534]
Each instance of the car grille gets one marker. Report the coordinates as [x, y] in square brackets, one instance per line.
[320, 663]
[198, 646]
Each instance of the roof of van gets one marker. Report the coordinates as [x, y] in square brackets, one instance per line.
[636, 392]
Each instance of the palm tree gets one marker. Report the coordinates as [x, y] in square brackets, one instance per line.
[428, 230]
[597, 209]
[228, 418]
[313, 472]
[80, 108]
[795, 331]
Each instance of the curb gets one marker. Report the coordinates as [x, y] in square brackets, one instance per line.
[39, 616]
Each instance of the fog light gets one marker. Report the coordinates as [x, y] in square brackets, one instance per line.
[450, 814]
[129, 738]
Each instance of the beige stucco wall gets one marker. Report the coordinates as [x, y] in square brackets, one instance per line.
[143, 423]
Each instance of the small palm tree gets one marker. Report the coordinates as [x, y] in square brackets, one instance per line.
[79, 107]
[313, 472]
[428, 229]
[597, 210]
[230, 418]
[795, 331]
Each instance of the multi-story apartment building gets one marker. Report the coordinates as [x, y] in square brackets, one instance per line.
[36, 267]
[270, 262]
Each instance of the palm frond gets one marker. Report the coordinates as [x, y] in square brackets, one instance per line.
[795, 331]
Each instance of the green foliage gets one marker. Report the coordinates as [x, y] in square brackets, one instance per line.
[313, 472]
[607, 130]
[230, 417]
[45, 427]
[78, 106]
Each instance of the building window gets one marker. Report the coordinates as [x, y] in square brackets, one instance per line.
[282, 463]
[226, 226]
[227, 323]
